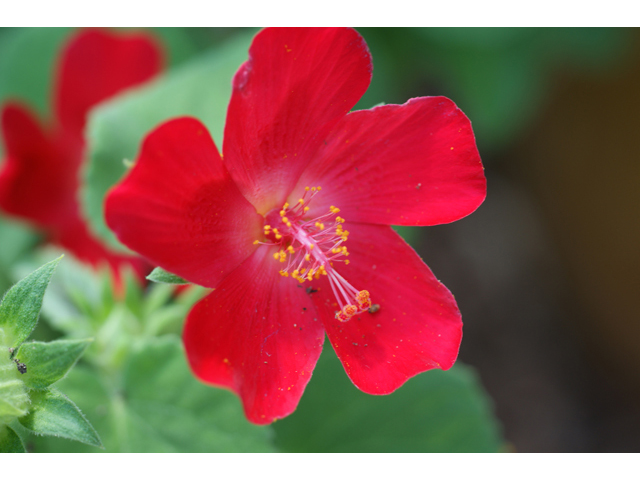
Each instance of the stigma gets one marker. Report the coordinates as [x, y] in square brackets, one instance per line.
[310, 247]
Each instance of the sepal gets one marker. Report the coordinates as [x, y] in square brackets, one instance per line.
[162, 276]
[49, 362]
[52, 413]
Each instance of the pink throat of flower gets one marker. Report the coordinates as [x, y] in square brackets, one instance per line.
[309, 249]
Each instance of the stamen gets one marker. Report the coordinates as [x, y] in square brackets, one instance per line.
[311, 246]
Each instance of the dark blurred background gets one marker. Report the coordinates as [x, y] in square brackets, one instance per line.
[547, 271]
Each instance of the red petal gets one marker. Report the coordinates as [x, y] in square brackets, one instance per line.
[297, 83]
[257, 334]
[411, 164]
[179, 208]
[418, 326]
[96, 65]
[38, 181]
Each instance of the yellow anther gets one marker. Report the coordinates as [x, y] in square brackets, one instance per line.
[256, 242]
[289, 224]
[319, 188]
[283, 273]
[275, 230]
[285, 206]
[285, 219]
[307, 257]
[346, 262]
[290, 249]
[282, 212]
[310, 275]
[306, 189]
[362, 297]
[311, 246]
[333, 209]
[278, 236]
[305, 209]
[267, 227]
[320, 225]
[339, 219]
[276, 255]
[301, 201]
[313, 189]
[302, 270]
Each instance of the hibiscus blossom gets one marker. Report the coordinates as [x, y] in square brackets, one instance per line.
[290, 227]
[39, 180]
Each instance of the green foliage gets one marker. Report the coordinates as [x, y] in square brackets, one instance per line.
[54, 414]
[134, 384]
[162, 276]
[21, 305]
[10, 441]
[49, 362]
[200, 88]
[154, 404]
[27, 369]
[433, 412]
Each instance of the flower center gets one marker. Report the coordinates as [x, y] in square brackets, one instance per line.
[309, 248]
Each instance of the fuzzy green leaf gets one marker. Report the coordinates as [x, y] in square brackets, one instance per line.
[21, 305]
[434, 412]
[54, 414]
[10, 441]
[159, 407]
[162, 276]
[48, 362]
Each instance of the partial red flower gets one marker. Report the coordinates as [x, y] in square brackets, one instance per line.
[39, 180]
[291, 227]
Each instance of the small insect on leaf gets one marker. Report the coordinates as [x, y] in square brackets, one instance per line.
[22, 368]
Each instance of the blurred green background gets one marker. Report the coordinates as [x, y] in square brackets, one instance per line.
[546, 272]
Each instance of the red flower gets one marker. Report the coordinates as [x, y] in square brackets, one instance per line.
[267, 226]
[39, 181]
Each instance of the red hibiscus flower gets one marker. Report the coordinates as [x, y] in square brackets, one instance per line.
[291, 226]
[39, 180]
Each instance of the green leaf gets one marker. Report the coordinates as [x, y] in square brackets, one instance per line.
[54, 414]
[158, 406]
[200, 88]
[10, 441]
[434, 412]
[21, 305]
[162, 276]
[49, 362]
